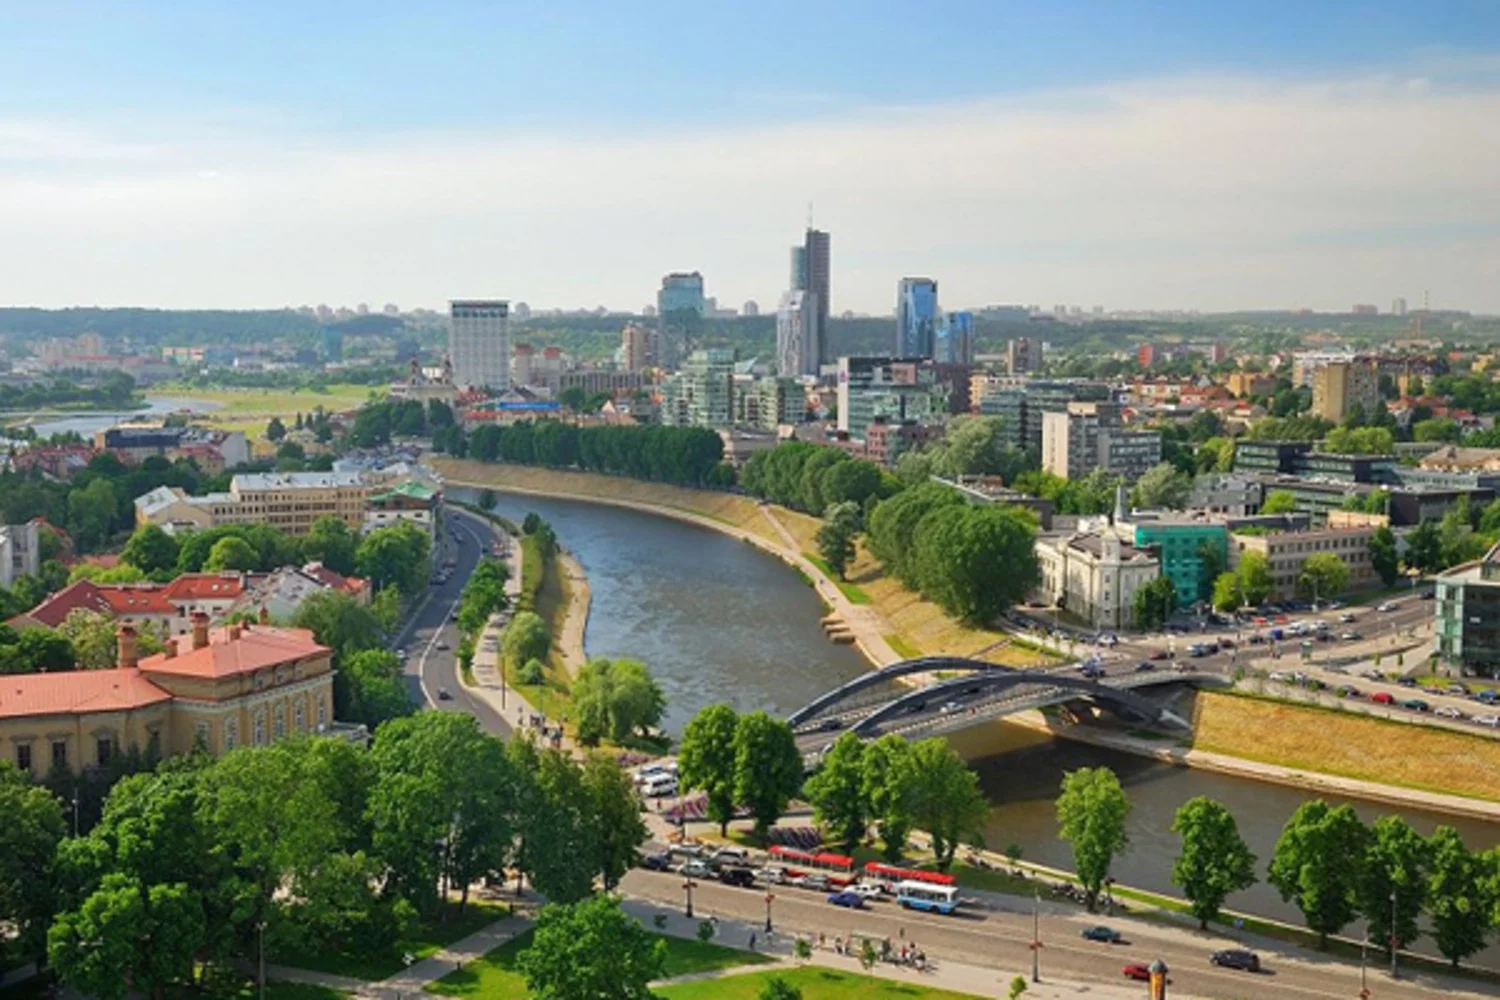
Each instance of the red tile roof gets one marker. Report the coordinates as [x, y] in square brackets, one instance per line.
[54, 610]
[256, 647]
[205, 586]
[333, 580]
[128, 600]
[76, 692]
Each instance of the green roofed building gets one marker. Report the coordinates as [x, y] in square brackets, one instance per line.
[1184, 545]
[412, 501]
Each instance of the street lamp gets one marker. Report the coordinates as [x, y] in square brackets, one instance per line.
[687, 886]
[261, 978]
[1394, 939]
[770, 896]
[1036, 938]
[1364, 948]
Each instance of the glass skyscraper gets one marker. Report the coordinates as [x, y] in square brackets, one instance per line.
[916, 318]
[955, 339]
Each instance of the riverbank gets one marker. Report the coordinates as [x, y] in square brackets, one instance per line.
[889, 623]
[575, 614]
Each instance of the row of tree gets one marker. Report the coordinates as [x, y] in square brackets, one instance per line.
[683, 456]
[811, 478]
[319, 844]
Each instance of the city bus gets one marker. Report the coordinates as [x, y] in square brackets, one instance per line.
[889, 876]
[924, 896]
[838, 867]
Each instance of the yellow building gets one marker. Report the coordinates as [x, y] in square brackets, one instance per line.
[1337, 388]
[1247, 384]
[215, 689]
[289, 501]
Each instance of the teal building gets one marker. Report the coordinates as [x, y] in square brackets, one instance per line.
[1181, 544]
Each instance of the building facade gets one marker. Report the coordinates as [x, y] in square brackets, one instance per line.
[799, 350]
[633, 341]
[955, 339]
[916, 317]
[895, 390]
[1094, 575]
[702, 393]
[1023, 403]
[680, 308]
[817, 270]
[289, 501]
[1022, 355]
[1341, 386]
[1286, 551]
[1191, 552]
[1089, 436]
[1467, 610]
[768, 403]
[479, 343]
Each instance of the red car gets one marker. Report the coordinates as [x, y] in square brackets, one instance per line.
[1139, 971]
[1383, 698]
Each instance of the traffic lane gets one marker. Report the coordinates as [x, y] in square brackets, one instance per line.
[1001, 939]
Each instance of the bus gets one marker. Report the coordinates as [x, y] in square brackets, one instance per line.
[890, 876]
[923, 896]
[838, 867]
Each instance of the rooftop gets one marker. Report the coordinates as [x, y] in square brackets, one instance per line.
[238, 650]
[77, 692]
[295, 481]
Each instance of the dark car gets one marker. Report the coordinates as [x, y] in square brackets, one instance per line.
[852, 900]
[828, 725]
[1108, 935]
[1236, 958]
[1415, 704]
[1158, 654]
[659, 862]
[444, 695]
[1144, 666]
[742, 877]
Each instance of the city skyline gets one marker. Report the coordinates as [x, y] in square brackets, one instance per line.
[1152, 156]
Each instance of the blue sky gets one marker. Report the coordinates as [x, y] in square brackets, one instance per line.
[208, 141]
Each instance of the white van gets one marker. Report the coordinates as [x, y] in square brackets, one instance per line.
[659, 786]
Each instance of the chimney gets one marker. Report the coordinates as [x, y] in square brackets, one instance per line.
[264, 617]
[125, 644]
[200, 629]
[234, 633]
[170, 650]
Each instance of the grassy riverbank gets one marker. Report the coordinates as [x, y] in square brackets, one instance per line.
[1330, 741]
[913, 626]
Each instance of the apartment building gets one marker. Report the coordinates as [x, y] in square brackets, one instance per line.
[1286, 551]
[1339, 387]
[1089, 436]
[288, 501]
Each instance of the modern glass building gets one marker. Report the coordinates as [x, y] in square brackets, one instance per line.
[955, 339]
[479, 343]
[1181, 546]
[799, 350]
[916, 318]
[1468, 615]
[680, 307]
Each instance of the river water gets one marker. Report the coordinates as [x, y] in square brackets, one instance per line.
[718, 620]
[86, 424]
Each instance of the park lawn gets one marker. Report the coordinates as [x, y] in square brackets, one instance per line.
[496, 976]
[238, 403]
[816, 983]
[1347, 743]
[430, 938]
[849, 590]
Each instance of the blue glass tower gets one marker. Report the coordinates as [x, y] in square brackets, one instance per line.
[916, 318]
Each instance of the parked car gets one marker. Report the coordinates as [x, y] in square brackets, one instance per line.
[852, 900]
[696, 869]
[1487, 720]
[1158, 654]
[1407, 682]
[1347, 691]
[1107, 935]
[1350, 636]
[1447, 712]
[771, 874]
[1144, 666]
[1236, 958]
[658, 862]
[1347, 618]
[1383, 698]
[741, 877]
[1415, 705]
[729, 856]
[812, 880]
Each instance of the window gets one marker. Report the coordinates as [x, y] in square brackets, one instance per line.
[200, 735]
[231, 733]
[104, 749]
[322, 714]
[259, 737]
[299, 716]
[278, 722]
[59, 753]
[23, 756]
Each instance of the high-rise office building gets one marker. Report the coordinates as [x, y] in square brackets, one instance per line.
[815, 251]
[702, 393]
[633, 347]
[479, 343]
[916, 317]
[797, 281]
[1398, 307]
[1022, 354]
[680, 308]
[798, 349]
[955, 339]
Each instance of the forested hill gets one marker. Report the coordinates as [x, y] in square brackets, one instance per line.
[161, 326]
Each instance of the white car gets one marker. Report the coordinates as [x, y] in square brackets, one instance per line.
[1387, 606]
[1281, 677]
[1488, 720]
[696, 869]
[812, 880]
[1447, 712]
[771, 875]
[865, 890]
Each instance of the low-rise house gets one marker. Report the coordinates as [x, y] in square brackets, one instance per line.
[281, 593]
[167, 609]
[412, 501]
[1094, 575]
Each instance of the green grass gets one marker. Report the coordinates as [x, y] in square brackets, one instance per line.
[268, 402]
[497, 977]
[430, 938]
[248, 991]
[815, 983]
[849, 590]
[903, 648]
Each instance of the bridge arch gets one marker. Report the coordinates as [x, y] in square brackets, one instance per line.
[922, 664]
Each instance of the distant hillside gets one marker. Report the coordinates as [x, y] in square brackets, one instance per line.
[158, 326]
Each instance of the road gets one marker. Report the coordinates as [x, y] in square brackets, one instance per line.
[430, 670]
[1000, 939]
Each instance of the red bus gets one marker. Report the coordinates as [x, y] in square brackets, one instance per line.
[838, 867]
[891, 874]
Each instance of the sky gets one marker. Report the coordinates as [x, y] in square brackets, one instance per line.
[1129, 154]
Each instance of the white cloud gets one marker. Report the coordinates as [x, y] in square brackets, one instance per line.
[1196, 193]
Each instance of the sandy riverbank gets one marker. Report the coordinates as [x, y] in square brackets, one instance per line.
[575, 617]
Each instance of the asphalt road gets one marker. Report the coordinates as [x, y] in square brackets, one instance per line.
[1000, 939]
[430, 670]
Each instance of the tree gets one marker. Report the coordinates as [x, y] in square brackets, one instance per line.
[946, 801]
[1316, 865]
[777, 988]
[767, 767]
[1424, 547]
[525, 638]
[1226, 594]
[559, 831]
[1393, 876]
[614, 699]
[396, 556]
[339, 622]
[128, 935]
[1279, 502]
[1253, 577]
[377, 690]
[330, 542]
[1323, 576]
[1017, 988]
[1457, 900]
[231, 554]
[975, 561]
[1163, 486]
[835, 536]
[1214, 861]
[29, 837]
[837, 791]
[1091, 815]
[892, 526]
[1154, 604]
[275, 430]
[615, 810]
[1383, 555]
[890, 790]
[589, 951]
[95, 642]
[706, 760]
[150, 550]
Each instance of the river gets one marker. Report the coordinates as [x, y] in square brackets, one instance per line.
[718, 620]
[88, 423]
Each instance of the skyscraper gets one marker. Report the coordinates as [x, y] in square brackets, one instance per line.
[798, 280]
[916, 318]
[479, 342]
[955, 339]
[680, 307]
[815, 253]
[798, 346]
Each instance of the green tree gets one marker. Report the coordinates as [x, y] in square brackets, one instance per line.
[1383, 555]
[339, 622]
[1017, 988]
[1279, 502]
[767, 767]
[614, 699]
[947, 801]
[525, 638]
[29, 837]
[835, 536]
[559, 830]
[396, 556]
[1323, 577]
[275, 430]
[150, 550]
[1163, 486]
[483, 594]
[589, 951]
[1215, 860]
[95, 642]
[837, 791]
[126, 935]
[615, 811]
[1091, 814]
[976, 561]
[377, 690]
[1226, 594]
[1424, 547]
[891, 784]
[1394, 876]
[777, 988]
[1458, 901]
[330, 542]
[1154, 604]
[1317, 864]
[894, 523]
[706, 760]
[1253, 577]
[231, 554]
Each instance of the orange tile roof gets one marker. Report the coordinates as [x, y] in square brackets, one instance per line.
[54, 610]
[257, 647]
[205, 586]
[76, 692]
[334, 580]
[129, 600]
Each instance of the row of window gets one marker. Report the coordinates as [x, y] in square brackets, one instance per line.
[104, 749]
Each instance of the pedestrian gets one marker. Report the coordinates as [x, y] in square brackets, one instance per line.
[752, 940]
